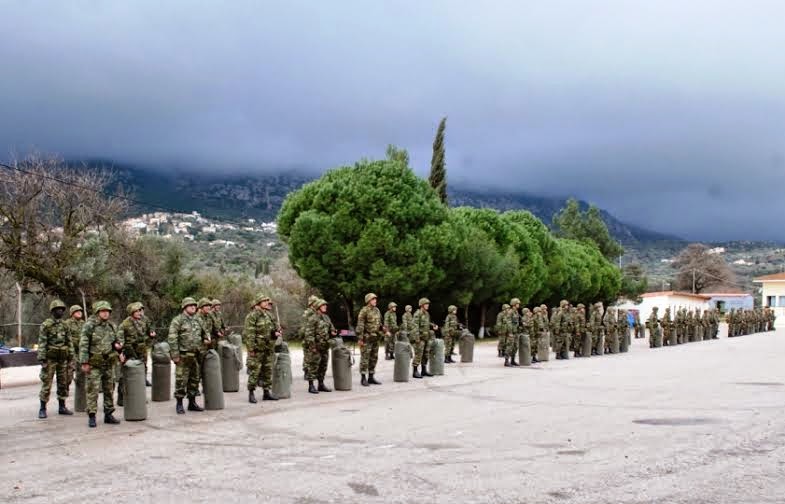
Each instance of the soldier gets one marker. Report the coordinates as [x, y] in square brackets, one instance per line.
[561, 327]
[579, 328]
[98, 347]
[639, 329]
[186, 338]
[55, 352]
[309, 311]
[653, 325]
[499, 329]
[422, 334]
[546, 324]
[74, 326]
[204, 309]
[407, 324]
[451, 330]
[511, 328]
[624, 326]
[527, 327]
[667, 326]
[316, 345]
[369, 333]
[730, 319]
[538, 329]
[390, 330]
[706, 324]
[596, 328]
[219, 326]
[260, 334]
[772, 319]
[610, 325]
[135, 333]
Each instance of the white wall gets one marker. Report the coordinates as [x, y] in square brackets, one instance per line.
[672, 302]
[775, 289]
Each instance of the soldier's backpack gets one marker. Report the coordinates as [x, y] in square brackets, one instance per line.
[135, 397]
[212, 381]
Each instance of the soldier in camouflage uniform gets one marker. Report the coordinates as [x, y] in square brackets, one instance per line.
[186, 338]
[260, 333]
[527, 327]
[99, 346]
[579, 330]
[55, 352]
[316, 345]
[499, 329]
[559, 326]
[451, 330]
[369, 334]
[596, 327]
[74, 327]
[653, 325]
[538, 328]
[135, 333]
[390, 330]
[667, 326]
[219, 326]
[610, 325]
[511, 326]
[407, 321]
[421, 338]
[730, 318]
[309, 311]
[638, 327]
[706, 324]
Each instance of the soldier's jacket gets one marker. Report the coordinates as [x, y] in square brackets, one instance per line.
[74, 328]
[450, 327]
[609, 321]
[579, 322]
[305, 319]
[527, 322]
[218, 325]
[319, 329]
[500, 322]
[369, 323]
[133, 333]
[54, 341]
[391, 322]
[540, 322]
[595, 320]
[511, 322]
[422, 323]
[407, 322]
[559, 323]
[185, 335]
[96, 342]
[652, 322]
[206, 322]
[259, 328]
[666, 322]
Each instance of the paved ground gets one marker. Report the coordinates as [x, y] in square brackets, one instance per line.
[698, 423]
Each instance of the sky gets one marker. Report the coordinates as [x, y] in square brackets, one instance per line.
[668, 114]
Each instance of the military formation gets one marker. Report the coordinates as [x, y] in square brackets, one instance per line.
[90, 350]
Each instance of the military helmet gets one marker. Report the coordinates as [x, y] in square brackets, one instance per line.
[392, 304]
[131, 308]
[189, 301]
[370, 296]
[101, 305]
[312, 300]
[75, 308]
[452, 309]
[424, 301]
[536, 309]
[56, 304]
[580, 306]
[505, 306]
[216, 302]
[204, 302]
[515, 301]
[260, 298]
[319, 303]
[408, 307]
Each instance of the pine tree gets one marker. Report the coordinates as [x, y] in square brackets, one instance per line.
[438, 176]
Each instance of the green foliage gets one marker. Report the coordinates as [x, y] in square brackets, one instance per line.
[586, 226]
[634, 281]
[438, 176]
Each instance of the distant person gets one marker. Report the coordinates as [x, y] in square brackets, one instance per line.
[317, 346]
[451, 331]
[369, 334]
[390, 329]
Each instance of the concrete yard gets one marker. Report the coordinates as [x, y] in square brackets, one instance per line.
[698, 423]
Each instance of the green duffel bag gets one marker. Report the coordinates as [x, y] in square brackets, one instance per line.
[212, 382]
[586, 345]
[230, 366]
[80, 391]
[342, 365]
[135, 394]
[161, 352]
[162, 381]
[282, 373]
[403, 353]
[466, 346]
[544, 347]
[436, 358]
[524, 350]
[237, 340]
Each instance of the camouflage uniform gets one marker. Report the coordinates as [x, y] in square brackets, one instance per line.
[639, 328]
[511, 326]
[185, 342]
[97, 348]
[537, 330]
[667, 326]
[316, 345]
[304, 321]
[499, 329]
[653, 325]
[421, 338]
[407, 321]
[369, 334]
[579, 328]
[74, 328]
[390, 329]
[259, 334]
[561, 328]
[135, 335]
[205, 320]
[609, 322]
[219, 326]
[451, 332]
[596, 328]
[55, 352]
[527, 327]
[624, 327]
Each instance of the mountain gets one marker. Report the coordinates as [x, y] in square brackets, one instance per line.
[260, 197]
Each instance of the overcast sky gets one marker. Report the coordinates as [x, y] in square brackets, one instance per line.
[669, 114]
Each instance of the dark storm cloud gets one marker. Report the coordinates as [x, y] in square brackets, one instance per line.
[669, 114]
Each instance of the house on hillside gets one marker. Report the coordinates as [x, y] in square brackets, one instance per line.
[673, 300]
[773, 295]
[727, 301]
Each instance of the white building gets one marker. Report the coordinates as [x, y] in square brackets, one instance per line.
[773, 295]
[673, 300]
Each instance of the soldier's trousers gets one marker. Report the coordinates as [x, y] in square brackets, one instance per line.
[186, 376]
[318, 355]
[260, 366]
[369, 354]
[596, 338]
[389, 343]
[502, 346]
[422, 347]
[511, 349]
[54, 367]
[449, 344]
[100, 380]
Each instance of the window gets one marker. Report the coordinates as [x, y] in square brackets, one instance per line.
[771, 300]
[782, 301]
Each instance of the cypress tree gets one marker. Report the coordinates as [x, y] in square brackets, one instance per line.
[438, 176]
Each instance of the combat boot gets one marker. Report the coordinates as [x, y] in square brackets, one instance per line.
[372, 380]
[62, 410]
[110, 419]
[251, 397]
[91, 420]
[192, 406]
[147, 383]
[513, 363]
[42, 410]
[119, 395]
[179, 408]
[267, 396]
[424, 371]
[416, 373]
[363, 380]
[506, 362]
[387, 356]
[499, 352]
[311, 388]
[535, 360]
[446, 360]
[323, 387]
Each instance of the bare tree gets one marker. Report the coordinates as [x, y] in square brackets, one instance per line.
[698, 270]
[47, 211]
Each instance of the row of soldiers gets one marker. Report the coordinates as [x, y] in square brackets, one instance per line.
[746, 321]
[684, 327]
[565, 329]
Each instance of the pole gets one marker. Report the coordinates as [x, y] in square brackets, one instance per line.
[84, 302]
[693, 281]
[19, 313]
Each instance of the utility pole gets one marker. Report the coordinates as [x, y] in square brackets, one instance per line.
[19, 313]
[693, 281]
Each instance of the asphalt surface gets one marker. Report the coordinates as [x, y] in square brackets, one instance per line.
[697, 423]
